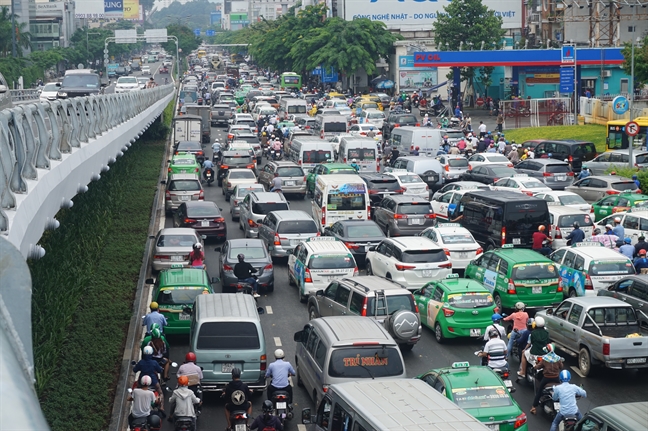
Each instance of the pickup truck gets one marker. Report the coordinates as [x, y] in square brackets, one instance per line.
[633, 290]
[598, 331]
[220, 114]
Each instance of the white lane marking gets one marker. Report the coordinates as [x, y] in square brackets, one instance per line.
[268, 309]
[277, 341]
[577, 370]
[301, 427]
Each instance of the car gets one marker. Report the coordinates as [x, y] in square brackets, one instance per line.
[372, 116]
[146, 70]
[173, 245]
[190, 147]
[182, 188]
[220, 114]
[293, 179]
[183, 163]
[634, 222]
[556, 174]
[562, 221]
[567, 199]
[236, 177]
[121, 71]
[633, 290]
[575, 152]
[455, 307]
[233, 127]
[167, 63]
[255, 206]
[238, 194]
[445, 205]
[163, 69]
[595, 187]
[283, 230]
[411, 261]
[379, 186]
[616, 159]
[357, 235]
[232, 160]
[411, 183]
[487, 174]
[460, 185]
[457, 242]
[203, 216]
[49, 91]
[142, 83]
[481, 392]
[403, 215]
[617, 203]
[126, 84]
[364, 129]
[398, 120]
[78, 83]
[372, 297]
[326, 169]
[256, 254]
[482, 159]
[520, 183]
[453, 166]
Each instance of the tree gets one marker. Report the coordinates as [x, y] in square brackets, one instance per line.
[640, 62]
[187, 40]
[23, 37]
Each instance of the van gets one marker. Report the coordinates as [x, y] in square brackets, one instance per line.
[562, 223]
[428, 168]
[495, 217]
[363, 150]
[80, 82]
[309, 151]
[388, 405]
[329, 348]
[617, 417]
[292, 106]
[428, 140]
[327, 126]
[339, 197]
[281, 231]
[226, 333]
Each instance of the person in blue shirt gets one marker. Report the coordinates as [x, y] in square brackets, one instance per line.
[279, 371]
[154, 317]
[457, 112]
[636, 181]
[584, 173]
[147, 366]
[577, 235]
[566, 393]
[355, 165]
[641, 262]
[618, 228]
[627, 249]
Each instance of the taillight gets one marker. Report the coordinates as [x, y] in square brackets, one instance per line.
[229, 184]
[167, 195]
[447, 312]
[402, 190]
[227, 268]
[277, 240]
[606, 347]
[323, 216]
[400, 267]
[558, 234]
[363, 312]
[396, 125]
[447, 252]
[169, 169]
[368, 211]
[510, 289]
[479, 251]
[355, 271]
[418, 124]
[588, 283]
[503, 235]
[560, 285]
[416, 310]
[189, 220]
[307, 276]
[400, 216]
[264, 362]
[546, 174]
[251, 223]
[611, 192]
[570, 159]
[446, 265]
[268, 267]
[519, 421]
[224, 167]
[201, 195]
[447, 168]
[570, 174]
[510, 165]
[351, 246]
[430, 216]
[250, 166]
[219, 220]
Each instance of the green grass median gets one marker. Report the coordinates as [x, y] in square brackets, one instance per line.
[595, 133]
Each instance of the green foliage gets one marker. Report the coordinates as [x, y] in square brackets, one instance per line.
[187, 41]
[589, 132]
[83, 291]
[642, 175]
[640, 60]
[193, 14]
[23, 36]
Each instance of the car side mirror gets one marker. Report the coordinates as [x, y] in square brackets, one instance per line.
[187, 310]
[149, 281]
[215, 280]
[306, 416]
[260, 310]
[550, 312]
[373, 248]
[163, 182]
[218, 249]
[297, 336]
[319, 293]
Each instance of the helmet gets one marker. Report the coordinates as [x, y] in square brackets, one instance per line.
[541, 228]
[279, 354]
[617, 219]
[585, 167]
[353, 161]
[267, 406]
[596, 231]
[549, 348]
[155, 326]
[154, 305]
[539, 321]
[148, 350]
[183, 381]
[155, 333]
[418, 148]
[190, 357]
[371, 128]
[154, 422]
[634, 177]
[197, 246]
[493, 333]
[145, 381]
[236, 373]
[241, 256]
[576, 225]
[627, 240]
[496, 317]
[565, 376]
[512, 141]
[519, 305]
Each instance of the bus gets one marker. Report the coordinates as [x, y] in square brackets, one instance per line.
[617, 139]
[202, 53]
[237, 58]
[290, 80]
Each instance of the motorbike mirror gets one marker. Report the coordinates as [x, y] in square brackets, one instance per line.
[306, 416]
[149, 281]
[260, 310]
[130, 390]
[133, 363]
[215, 280]
[204, 236]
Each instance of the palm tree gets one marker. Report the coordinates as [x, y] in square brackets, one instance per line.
[23, 37]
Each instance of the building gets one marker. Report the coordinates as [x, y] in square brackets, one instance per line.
[52, 25]
[268, 9]
[24, 10]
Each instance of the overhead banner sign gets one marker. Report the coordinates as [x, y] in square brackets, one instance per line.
[156, 35]
[125, 36]
[410, 76]
[420, 14]
[89, 9]
[113, 9]
[131, 9]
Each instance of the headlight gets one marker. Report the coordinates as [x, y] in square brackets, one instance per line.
[61, 94]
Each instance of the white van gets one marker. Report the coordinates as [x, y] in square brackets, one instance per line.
[309, 151]
[290, 106]
[428, 140]
[363, 150]
[327, 126]
[339, 197]
[263, 110]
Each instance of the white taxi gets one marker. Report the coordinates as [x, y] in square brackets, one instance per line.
[457, 242]
[520, 183]
[444, 204]
[634, 222]
[489, 159]
[237, 177]
[411, 183]
[562, 220]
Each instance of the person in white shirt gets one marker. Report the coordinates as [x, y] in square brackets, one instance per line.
[495, 350]
[482, 129]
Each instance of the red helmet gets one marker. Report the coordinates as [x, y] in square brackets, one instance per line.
[190, 357]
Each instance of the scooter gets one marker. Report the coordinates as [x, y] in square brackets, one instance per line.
[282, 409]
[244, 288]
[239, 420]
[209, 176]
[502, 372]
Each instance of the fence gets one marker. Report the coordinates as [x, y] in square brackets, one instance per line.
[537, 112]
[24, 95]
[597, 111]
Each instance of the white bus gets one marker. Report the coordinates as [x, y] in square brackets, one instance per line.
[339, 197]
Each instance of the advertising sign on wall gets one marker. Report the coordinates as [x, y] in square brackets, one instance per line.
[113, 9]
[89, 9]
[131, 9]
[418, 14]
[239, 6]
[410, 77]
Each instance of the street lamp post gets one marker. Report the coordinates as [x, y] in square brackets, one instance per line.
[13, 29]
[631, 138]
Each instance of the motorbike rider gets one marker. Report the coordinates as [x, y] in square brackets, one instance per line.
[189, 366]
[182, 401]
[276, 145]
[519, 318]
[355, 165]
[142, 399]
[497, 320]
[161, 349]
[276, 183]
[523, 337]
[566, 394]
[197, 256]
[551, 364]
[540, 241]
[495, 350]
[538, 339]
[280, 370]
[576, 235]
[243, 271]
[208, 165]
[266, 420]
[147, 366]
[584, 173]
[154, 317]
[237, 395]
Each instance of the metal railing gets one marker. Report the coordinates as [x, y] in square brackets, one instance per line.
[25, 95]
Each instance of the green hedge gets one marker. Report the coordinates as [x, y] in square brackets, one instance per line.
[83, 289]
[642, 176]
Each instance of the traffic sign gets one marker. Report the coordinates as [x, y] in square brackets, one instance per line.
[568, 54]
[632, 128]
[197, 31]
[566, 79]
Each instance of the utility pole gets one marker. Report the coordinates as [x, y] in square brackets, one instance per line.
[631, 138]
[13, 29]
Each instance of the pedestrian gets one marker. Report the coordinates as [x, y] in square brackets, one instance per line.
[500, 122]
[482, 129]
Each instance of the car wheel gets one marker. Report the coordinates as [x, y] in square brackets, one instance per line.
[584, 361]
[368, 267]
[270, 287]
[300, 382]
[572, 293]
[312, 313]
[227, 197]
[220, 183]
[291, 282]
[498, 303]
[438, 333]
[302, 197]
[223, 191]
[302, 298]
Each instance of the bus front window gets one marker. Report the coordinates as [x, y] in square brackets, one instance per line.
[617, 140]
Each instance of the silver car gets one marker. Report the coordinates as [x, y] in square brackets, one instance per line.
[453, 165]
[237, 196]
[282, 231]
[553, 173]
[182, 188]
[293, 179]
[594, 188]
[619, 158]
[172, 246]
[255, 207]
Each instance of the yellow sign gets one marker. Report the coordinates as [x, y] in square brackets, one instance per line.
[131, 9]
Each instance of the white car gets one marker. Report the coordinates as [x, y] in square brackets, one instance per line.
[372, 116]
[142, 83]
[411, 183]
[167, 63]
[146, 70]
[410, 260]
[456, 241]
[126, 84]
[562, 220]
[49, 91]
[441, 205]
[634, 222]
[335, 141]
[568, 199]
[236, 177]
[521, 183]
[363, 129]
[489, 159]
[460, 185]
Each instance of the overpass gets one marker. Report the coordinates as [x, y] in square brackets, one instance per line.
[49, 152]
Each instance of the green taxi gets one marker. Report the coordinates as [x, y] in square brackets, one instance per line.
[481, 393]
[183, 163]
[517, 274]
[617, 203]
[455, 307]
[326, 169]
[240, 95]
[175, 290]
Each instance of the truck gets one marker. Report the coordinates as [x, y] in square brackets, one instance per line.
[111, 70]
[204, 112]
[632, 290]
[599, 331]
[187, 128]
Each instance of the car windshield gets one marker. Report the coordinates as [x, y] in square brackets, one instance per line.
[458, 163]
[481, 397]
[365, 362]
[189, 145]
[394, 303]
[203, 211]
[330, 261]
[176, 240]
[184, 162]
[568, 220]
[249, 251]
[558, 169]
[571, 200]
[364, 231]
[179, 295]
[409, 179]
[610, 267]
[184, 185]
[237, 160]
[526, 216]
[423, 256]
[534, 271]
[502, 171]
[346, 202]
[626, 185]
[88, 81]
[386, 184]
[641, 158]
[406, 119]
[457, 238]
[290, 172]
[533, 185]
[496, 158]
[349, 171]
[51, 87]
[241, 175]
[415, 208]
[362, 154]
[375, 115]
[297, 226]
[127, 80]
[335, 127]
[265, 208]
[228, 336]
[470, 300]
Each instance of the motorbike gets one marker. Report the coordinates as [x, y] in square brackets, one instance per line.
[239, 420]
[244, 288]
[209, 176]
[282, 409]
[152, 422]
[502, 372]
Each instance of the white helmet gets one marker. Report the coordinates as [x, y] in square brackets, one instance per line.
[197, 246]
[353, 161]
[148, 350]
[279, 354]
[146, 381]
[519, 305]
[539, 322]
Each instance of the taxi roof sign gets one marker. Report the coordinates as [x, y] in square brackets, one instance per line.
[507, 246]
[456, 365]
[450, 225]
[452, 276]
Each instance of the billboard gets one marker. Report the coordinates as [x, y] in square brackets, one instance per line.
[113, 9]
[417, 14]
[89, 9]
[131, 9]
[411, 77]
[239, 6]
[215, 19]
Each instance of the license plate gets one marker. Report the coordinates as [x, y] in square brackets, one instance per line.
[476, 332]
[281, 405]
[557, 407]
[431, 178]
[428, 272]
[204, 223]
[184, 198]
[240, 427]
[508, 383]
[536, 289]
[177, 258]
[462, 255]
[517, 241]
[493, 427]
[637, 361]
[184, 316]
[227, 367]
[417, 221]
[294, 241]
[289, 183]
